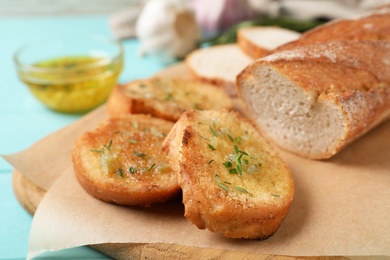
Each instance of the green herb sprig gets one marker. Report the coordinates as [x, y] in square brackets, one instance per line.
[105, 148]
[224, 185]
[139, 154]
[120, 173]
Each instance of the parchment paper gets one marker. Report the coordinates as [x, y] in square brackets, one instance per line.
[341, 206]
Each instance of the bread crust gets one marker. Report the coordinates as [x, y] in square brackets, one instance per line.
[375, 27]
[121, 162]
[259, 41]
[165, 98]
[251, 211]
[249, 47]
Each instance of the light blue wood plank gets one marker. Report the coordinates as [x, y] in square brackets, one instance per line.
[23, 120]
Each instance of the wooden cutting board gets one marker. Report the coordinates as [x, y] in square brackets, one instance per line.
[29, 196]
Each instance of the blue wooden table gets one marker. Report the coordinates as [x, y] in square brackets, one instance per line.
[23, 120]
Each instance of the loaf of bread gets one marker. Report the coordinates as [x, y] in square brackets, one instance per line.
[258, 41]
[314, 100]
[233, 182]
[166, 98]
[121, 161]
[218, 65]
[372, 26]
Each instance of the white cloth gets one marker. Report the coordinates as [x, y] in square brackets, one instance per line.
[122, 23]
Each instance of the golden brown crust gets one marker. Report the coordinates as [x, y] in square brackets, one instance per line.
[165, 98]
[251, 204]
[121, 162]
[372, 27]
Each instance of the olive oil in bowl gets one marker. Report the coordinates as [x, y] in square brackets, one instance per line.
[71, 83]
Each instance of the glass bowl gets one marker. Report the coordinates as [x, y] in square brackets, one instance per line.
[70, 75]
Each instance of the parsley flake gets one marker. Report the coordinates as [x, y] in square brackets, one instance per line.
[211, 147]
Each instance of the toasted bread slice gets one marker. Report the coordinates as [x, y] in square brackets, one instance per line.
[258, 41]
[121, 161]
[166, 98]
[233, 181]
[218, 65]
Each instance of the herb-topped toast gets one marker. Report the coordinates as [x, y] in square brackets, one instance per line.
[166, 98]
[233, 182]
[121, 161]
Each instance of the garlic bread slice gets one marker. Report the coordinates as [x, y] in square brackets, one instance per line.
[233, 181]
[121, 161]
[166, 98]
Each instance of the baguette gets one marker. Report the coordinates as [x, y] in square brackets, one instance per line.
[165, 98]
[372, 26]
[121, 162]
[232, 180]
[315, 100]
[218, 65]
[258, 41]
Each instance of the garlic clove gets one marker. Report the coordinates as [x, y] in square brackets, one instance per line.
[167, 27]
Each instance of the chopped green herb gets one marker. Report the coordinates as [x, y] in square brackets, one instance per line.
[275, 195]
[142, 85]
[239, 168]
[228, 164]
[141, 155]
[240, 189]
[109, 145]
[105, 148]
[228, 182]
[151, 167]
[120, 172]
[230, 138]
[211, 147]
[132, 169]
[213, 131]
[197, 106]
[210, 162]
[233, 171]
[238, 140]
[235, 149]
[133, 141]
[169, 96]
[222, 186]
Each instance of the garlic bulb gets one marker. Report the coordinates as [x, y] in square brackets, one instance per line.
[167, 28]
[217, 16]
